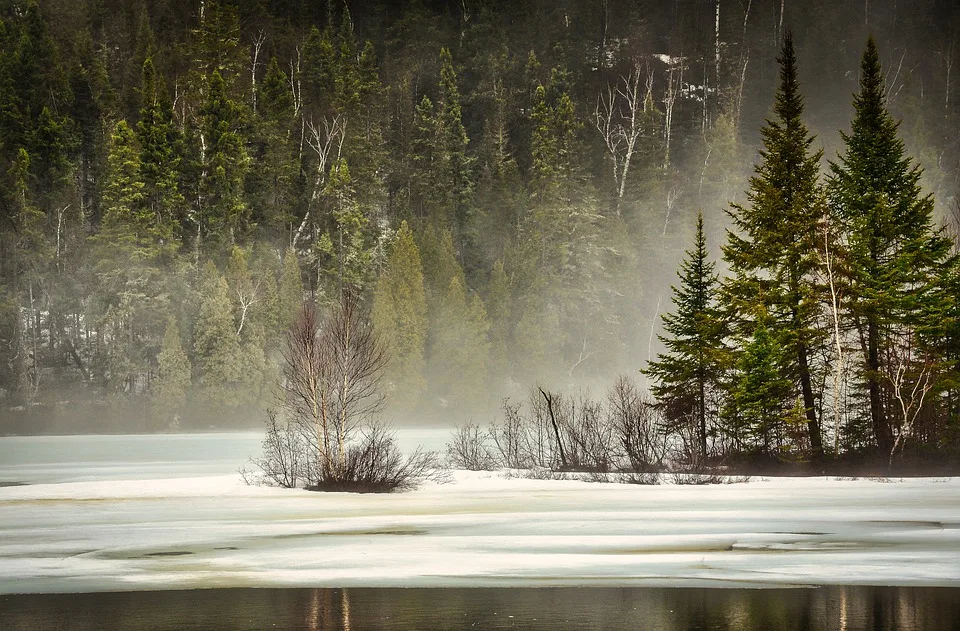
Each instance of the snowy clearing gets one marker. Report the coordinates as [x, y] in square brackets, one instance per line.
[482, 529]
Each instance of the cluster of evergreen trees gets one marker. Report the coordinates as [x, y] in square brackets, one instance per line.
[507, 187]
[836, 318]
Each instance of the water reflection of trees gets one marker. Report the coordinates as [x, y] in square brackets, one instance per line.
[654, 609]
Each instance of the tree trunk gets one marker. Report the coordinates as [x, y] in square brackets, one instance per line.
[556, 429]
[881, 430]
[816, 440]
[702, 413]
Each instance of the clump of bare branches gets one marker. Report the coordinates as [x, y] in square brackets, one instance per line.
[284, 450]
[636, 426]
[469, 448]
[324, 434]
[374, 463]
[609, 438]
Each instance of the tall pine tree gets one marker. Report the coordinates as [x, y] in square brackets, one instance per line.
[894, 256]
[772, 252]
[689, 372]
[400, 318]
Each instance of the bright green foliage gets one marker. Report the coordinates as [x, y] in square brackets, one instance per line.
[759, 403]
[688, 374]
[400, 318]
[460, 351]
[894, 258]
[224, 214]
[773, 251]
[173, 379]
[218, 361]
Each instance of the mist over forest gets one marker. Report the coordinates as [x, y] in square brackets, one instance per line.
[508, 188]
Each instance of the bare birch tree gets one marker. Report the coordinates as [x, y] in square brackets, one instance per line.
[911, 372]
[619, 119]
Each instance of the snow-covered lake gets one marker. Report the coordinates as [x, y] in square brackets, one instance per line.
[169, 512]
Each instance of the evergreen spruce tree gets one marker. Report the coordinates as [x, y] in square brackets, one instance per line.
[452, 137]
[224, 214]
[290, 291]
[129, 302]
[562, 255]
[173, 379]
[400, 318]
[460, 352]
[426, 186]
[216, 349]
[894, 256]
[343, 255]
[758, 404]
[501, 196]
[773, 250]
[160, 144]
[442, 179]
[440, 266]
[688, 374]
[272, 185]
[129, 231]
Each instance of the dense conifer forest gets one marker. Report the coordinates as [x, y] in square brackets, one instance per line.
[509, 189]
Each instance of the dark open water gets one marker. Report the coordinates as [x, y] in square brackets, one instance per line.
[652, 609]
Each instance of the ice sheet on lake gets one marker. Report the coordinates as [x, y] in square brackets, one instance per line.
[482, 529]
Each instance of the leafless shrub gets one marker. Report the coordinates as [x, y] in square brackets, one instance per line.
[508, 437]
[586, 433]
[552, 431]
[284, 455]
[469, 449]
[375, 464]
[646, 479]
[540, 437]
[700, 479]
[541, 473]
[695, 479]
[635, 423]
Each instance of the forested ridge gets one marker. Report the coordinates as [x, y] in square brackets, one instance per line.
[508, 187]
